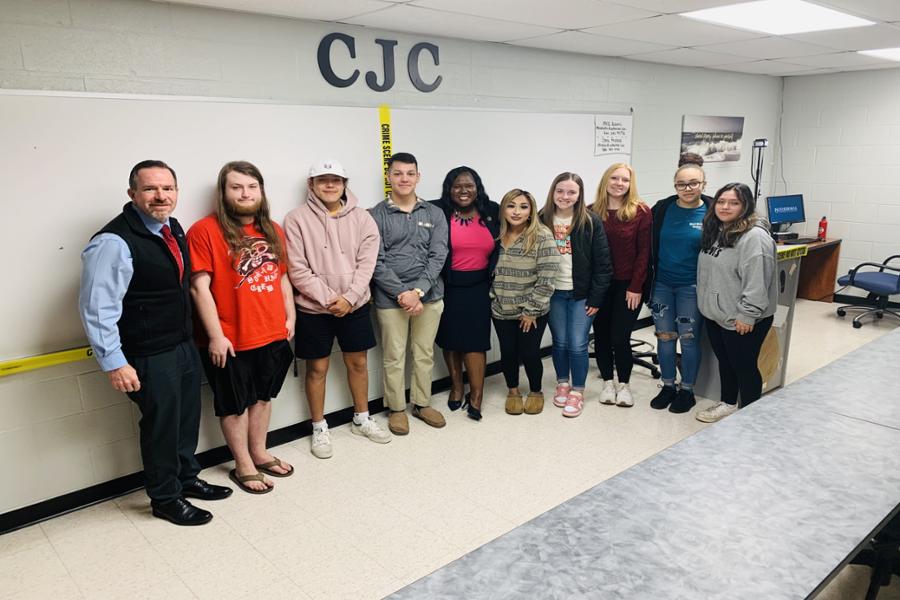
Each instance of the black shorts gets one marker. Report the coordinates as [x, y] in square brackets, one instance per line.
[252, 375]
[316, 333]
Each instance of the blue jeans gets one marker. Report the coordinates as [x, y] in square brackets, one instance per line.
[569, 327]
[676, 317]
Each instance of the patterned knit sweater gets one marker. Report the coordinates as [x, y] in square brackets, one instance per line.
[523, 282]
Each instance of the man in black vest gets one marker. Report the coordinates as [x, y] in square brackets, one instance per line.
[136, 310]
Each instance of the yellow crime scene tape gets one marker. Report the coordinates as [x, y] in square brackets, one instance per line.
[20, 365]
[384, 119]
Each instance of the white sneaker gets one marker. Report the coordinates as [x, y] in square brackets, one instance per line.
[608, 393]
[372, 430]
[623, 395]
[716, 412]
[321, 443]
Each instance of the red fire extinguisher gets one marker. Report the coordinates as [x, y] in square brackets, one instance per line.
[823, 229]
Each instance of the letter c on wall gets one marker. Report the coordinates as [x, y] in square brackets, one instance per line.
[324, 57]
[412, 67]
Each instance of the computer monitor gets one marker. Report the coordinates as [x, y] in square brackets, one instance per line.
[784, 210]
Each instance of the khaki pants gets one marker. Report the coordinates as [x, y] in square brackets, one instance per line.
[397, 328]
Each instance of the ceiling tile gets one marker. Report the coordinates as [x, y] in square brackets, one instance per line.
[424, 21]
[687, 57]
[879, 10]
[840, 60]
[810, 72]
[676, 6]
[768, 48]
[856, 38]
[577, 14]
[673, 30]
[318, 10]
[763, 67]
[586, 43]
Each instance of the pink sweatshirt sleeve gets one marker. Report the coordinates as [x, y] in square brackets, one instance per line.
[366, 257]
[302, 277]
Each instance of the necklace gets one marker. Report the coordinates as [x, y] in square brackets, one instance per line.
[463, 219]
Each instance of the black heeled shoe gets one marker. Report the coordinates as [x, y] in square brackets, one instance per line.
[455, 404]
[471, 412]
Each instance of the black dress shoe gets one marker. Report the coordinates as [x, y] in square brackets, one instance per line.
[181, 512]
[204, 491]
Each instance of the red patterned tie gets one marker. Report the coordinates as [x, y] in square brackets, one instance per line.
[173, 248]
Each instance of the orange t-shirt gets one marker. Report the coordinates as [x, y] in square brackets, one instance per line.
[246, 288]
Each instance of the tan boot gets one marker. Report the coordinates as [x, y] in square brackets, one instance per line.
[514, 404]
[398, 423]
[534, 403]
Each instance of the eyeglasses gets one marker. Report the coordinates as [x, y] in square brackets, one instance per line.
[690, 185]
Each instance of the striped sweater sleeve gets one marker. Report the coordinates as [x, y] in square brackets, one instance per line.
[547, 265]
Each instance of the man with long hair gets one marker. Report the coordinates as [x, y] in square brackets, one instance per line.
[245, 303]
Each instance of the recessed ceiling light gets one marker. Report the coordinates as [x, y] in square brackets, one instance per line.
[778, 17]
[886, 53]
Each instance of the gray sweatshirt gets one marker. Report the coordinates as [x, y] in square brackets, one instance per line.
[412, 252]
[738, 282]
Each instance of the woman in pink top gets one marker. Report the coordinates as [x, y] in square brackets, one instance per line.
[465, 329]
[332, 246]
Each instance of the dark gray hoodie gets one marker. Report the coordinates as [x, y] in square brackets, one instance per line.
[738, 282]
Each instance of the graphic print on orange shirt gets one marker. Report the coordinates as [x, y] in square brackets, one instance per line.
[257, 264]
[563, 239]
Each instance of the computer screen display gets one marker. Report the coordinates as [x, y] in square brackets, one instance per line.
[785, 209]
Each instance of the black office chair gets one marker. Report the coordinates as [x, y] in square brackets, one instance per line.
[638, 355]
[879, 285]
[882, 553]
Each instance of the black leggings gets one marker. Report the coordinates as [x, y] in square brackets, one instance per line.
[612, 333]
[738, 355]
[517, 347]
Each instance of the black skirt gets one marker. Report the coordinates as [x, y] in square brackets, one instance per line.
[466, 321]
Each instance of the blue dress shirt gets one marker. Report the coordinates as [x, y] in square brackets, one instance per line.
[106, 273]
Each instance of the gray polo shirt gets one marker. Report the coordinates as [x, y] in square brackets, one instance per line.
[412, 252]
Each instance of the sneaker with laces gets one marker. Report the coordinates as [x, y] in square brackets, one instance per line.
[321, 443]
[664, 398]
[561, 394]
[608, 393]
[574, 405]
[372, 430]
[717, 412]
[623, 395]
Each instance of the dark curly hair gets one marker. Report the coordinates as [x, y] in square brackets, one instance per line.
[481, 197]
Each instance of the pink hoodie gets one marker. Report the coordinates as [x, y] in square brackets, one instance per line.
[330, 255]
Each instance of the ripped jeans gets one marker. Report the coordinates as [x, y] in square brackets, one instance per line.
[676, 317]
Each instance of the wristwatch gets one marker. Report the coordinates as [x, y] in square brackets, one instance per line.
[419, 292]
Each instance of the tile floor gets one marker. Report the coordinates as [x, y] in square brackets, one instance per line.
[374, 518]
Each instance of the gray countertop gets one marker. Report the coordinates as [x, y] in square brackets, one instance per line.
[764, 504]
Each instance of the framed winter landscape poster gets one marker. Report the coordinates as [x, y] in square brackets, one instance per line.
[716, 139]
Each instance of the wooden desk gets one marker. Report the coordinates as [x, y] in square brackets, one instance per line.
[818, 271]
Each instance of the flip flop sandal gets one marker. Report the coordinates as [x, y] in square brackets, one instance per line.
[267, 468]
[240, 481]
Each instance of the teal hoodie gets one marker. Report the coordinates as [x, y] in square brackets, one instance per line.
[738, 282]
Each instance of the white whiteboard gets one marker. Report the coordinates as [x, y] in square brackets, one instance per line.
[66, 160]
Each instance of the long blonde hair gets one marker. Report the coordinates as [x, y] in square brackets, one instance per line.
[632, 202]
[534, 223]
[580, 217]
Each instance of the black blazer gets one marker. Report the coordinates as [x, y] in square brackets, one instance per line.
[591, 263]
[491, 220]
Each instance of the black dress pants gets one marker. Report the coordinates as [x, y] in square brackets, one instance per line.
[169, 400]
[612, 333]
[518, 347]
[738, 355]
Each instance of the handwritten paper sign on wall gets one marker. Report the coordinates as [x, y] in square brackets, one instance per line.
[612, 134]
